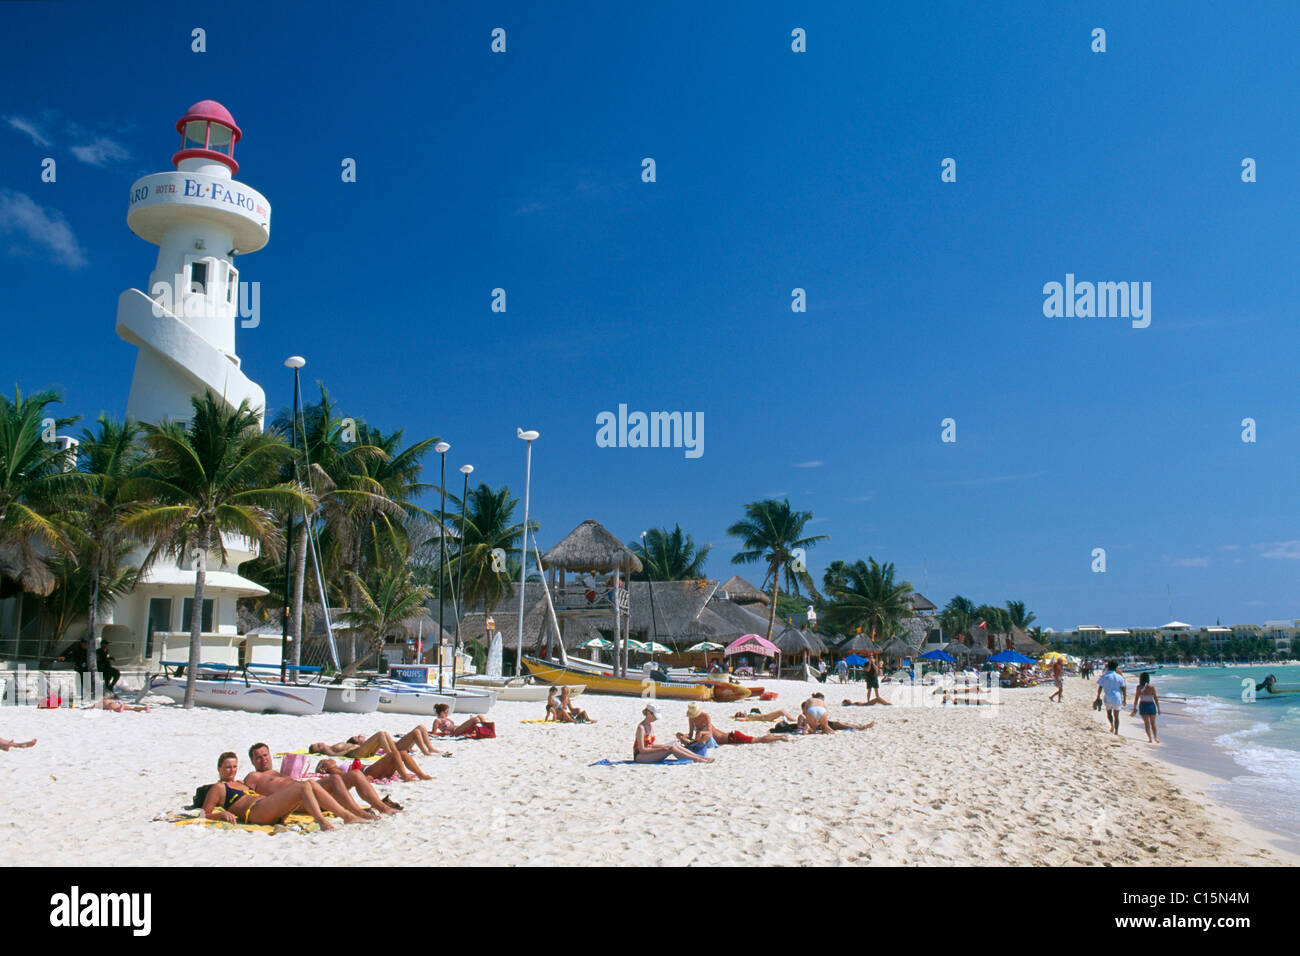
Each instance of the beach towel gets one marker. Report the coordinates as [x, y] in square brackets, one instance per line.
[294, 765]
[301, 822]
[620, 763]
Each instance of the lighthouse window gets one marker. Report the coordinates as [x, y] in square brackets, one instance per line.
[232, 278]
[196, 134]
[199, 277]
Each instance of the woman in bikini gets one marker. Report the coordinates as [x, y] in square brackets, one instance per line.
[444, 726]
[553, 709]
[699, 726]
[15, 745]
[395, 762]
[1147, 703]
[644, 748]
[815, 721]
[766, 718]
[231, 801]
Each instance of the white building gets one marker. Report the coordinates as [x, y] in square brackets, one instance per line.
[200, 219]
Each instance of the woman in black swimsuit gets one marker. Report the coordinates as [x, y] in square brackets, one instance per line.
[231, 801]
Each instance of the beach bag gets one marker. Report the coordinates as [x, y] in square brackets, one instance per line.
[294, 765]
[767, 695]
[482, 731]
[51, 702]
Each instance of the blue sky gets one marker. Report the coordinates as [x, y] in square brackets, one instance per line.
[775, 170]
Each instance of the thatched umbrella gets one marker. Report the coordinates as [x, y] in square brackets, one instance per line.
[26, 569]
[898, 648]
[791, 640]
[858, 644]
[591, 547]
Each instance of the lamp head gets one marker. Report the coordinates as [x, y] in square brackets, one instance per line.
[442, 448]
[526, 436]
[295, 361]
[466, 469]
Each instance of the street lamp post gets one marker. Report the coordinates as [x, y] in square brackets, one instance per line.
[294, 362]
[442, 448]
[529, 437]
[456, 595]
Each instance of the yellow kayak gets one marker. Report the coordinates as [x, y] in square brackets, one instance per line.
[628, 687]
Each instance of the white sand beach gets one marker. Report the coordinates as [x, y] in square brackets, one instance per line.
[1032, 783]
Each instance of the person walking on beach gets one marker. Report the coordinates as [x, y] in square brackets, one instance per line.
[1146, 703]
[1112, 685]
[1058, 669]
[873, 680]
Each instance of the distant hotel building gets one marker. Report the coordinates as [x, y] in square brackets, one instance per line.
[1281, 633]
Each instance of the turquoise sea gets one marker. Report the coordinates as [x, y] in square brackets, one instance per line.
[1253, 747]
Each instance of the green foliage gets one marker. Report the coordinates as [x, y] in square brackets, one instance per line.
[669, 556]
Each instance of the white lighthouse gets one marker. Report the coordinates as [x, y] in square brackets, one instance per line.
[201, 219]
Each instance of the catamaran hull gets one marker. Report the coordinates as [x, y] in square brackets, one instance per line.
[505, 689]
[626, 687]
[411, 702]
[303, 700]
[351, 700]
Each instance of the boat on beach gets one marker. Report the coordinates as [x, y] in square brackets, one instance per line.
[398, 698]
[515, 688]
[551, 672]
[232, 688]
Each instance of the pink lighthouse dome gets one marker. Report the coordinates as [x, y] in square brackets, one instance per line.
[208, 132]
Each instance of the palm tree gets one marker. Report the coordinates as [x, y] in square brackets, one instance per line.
[958, 616]
[38, 481]
[110, 457]
[669, 556]
[869, 598]
[1020, 617]
[333, 469]
[395, 598]
[771, 532]
[217, 475]
[488, 529]
[67, 603]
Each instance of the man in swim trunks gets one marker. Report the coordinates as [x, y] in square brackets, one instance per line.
[264, 779]
[1112, 685]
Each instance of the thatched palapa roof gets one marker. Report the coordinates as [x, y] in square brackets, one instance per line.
[742, 592]
[590, 547]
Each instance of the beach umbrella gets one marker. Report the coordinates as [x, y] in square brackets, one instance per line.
[853, 660]
[938, 656]
[703, 646]
[597, 643]
[654, 647]
[638, 646]
[1010, 657]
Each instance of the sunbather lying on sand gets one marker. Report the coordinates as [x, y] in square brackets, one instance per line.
[444, 726]
[966, 700]
[264, 779]
[644, 748]
[15, 745]
[116, 706]
[231, 801]
[394, 762]
[866, 703]
[699, 726]
[766, 718]
[815, 721]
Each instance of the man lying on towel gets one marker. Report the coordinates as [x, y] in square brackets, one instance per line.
[265, 780]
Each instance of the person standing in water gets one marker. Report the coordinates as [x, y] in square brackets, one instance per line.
[1147, 703]
[1112, 685]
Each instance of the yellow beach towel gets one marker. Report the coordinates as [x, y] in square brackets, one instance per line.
[303, 821]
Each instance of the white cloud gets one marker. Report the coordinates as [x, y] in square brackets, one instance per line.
[20, 214]
[24, 125]
[808, 464]
[1281, 550]
[101, 151]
